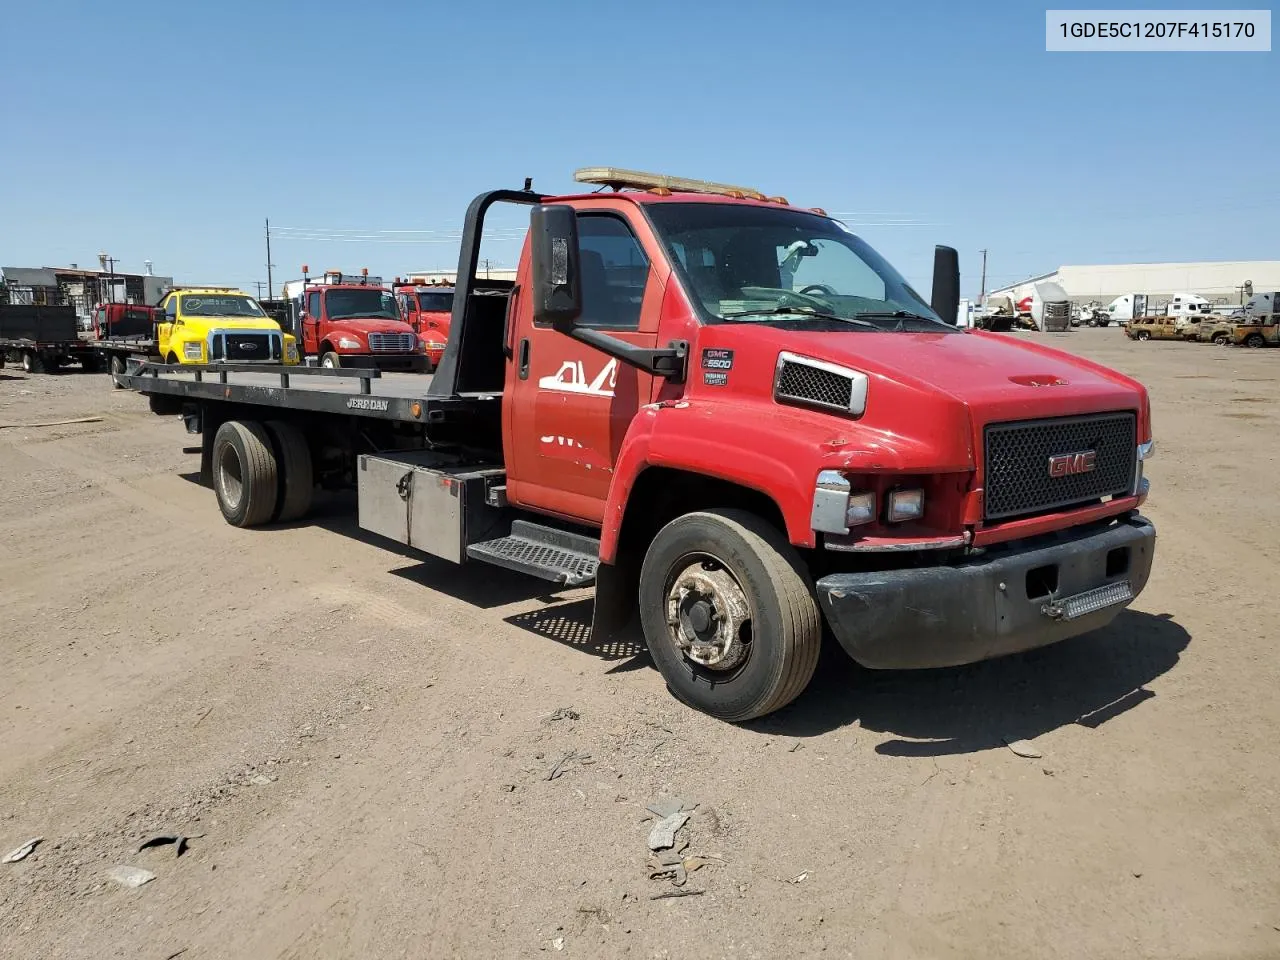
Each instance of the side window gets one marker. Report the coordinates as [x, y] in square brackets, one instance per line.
[171, 309]
[614, 272]
[313, 305]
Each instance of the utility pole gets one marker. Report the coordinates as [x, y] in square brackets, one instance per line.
[258, 284]
[270, 294]
[486, 268]
[982, 293]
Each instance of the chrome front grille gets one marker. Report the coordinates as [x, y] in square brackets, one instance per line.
[391, 342]
[1032, 466]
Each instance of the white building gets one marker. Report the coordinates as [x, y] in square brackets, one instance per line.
[1219, 282]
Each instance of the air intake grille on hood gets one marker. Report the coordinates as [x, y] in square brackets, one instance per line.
[799, 382]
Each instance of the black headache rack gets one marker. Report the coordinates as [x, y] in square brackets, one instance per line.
[360, 392]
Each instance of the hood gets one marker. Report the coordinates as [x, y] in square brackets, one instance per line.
[996, 376]
[234, 323]
[371, 325]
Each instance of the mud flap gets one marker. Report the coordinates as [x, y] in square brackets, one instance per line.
[617, 586]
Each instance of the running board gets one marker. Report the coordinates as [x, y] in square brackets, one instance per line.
[544, 552]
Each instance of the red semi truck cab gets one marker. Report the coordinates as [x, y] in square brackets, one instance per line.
[353, 321]
[428, 308]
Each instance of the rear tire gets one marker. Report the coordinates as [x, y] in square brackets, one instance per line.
[781, 634]
[31, 362]
[245, 473]
[331, 361]
[1221, 339]
[1255, 340]
[293, 461]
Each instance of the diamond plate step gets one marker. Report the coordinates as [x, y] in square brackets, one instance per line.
[544, 552]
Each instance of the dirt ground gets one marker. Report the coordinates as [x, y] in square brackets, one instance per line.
[359, 742]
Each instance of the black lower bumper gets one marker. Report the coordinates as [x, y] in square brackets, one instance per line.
[393, 362]
[1003, 601]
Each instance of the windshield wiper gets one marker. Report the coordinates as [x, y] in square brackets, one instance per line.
[802, 311]
[900, 316]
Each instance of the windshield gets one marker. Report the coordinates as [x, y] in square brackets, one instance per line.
[366, 304]
[435, 302]
[220, 305]
[759, 263]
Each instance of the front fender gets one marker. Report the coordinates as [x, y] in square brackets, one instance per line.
[776, 451]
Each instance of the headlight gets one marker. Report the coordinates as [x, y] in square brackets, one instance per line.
[434, 345]
[291, 350]
[193, 350]
[861, 509]
[346, 343]
[905, 505]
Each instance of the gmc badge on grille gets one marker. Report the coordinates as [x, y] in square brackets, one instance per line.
[1069, 464]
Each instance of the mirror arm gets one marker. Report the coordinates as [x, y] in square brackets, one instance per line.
[671, 362]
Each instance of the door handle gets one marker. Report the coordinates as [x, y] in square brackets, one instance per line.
[524, 358]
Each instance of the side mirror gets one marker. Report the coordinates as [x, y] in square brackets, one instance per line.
[557, 270]
[946, 284]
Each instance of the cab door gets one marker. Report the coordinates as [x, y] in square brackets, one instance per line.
[167, 317]
[311, 316]
[567, 406]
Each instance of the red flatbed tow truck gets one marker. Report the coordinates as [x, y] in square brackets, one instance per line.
[738, 422]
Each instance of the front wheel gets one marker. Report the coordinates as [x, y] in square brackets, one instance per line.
[1143, 335]
[31, 362]
[729, 614]
[115, 367]
[1221, 339]
[331, 361]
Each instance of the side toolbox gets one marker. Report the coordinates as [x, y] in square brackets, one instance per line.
[424, 500]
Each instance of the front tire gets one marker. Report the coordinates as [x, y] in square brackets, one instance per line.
[245, 474]
[115, 367]
[1143, 335]
[31, 362]
[729, 614]
[331, 361]
[1221, 339]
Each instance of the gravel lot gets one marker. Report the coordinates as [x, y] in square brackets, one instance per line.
[359, 741]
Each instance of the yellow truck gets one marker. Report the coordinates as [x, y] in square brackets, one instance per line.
[220, 325]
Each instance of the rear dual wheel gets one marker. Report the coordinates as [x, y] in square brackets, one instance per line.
[729, 614]
[261, 472]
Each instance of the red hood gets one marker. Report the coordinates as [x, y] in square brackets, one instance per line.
[995, 375]
[930, 394]
[371, 325]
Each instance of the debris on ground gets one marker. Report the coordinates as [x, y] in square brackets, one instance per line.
[798, 878]
[161, 839]
[1024, 748]
[561, 765]
[261, 780]
[23, 851]
[558, 943]
[564, 713]
[676, 892]
[131, 877]
[663, 834]
[795, 746]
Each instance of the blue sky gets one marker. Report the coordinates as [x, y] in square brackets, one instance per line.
[168, 131]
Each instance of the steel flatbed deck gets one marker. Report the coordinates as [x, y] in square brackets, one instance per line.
[356, 392]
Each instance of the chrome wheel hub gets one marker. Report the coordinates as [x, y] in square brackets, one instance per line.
[708, 616]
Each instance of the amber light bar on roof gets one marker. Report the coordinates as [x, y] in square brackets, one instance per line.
[637, 179]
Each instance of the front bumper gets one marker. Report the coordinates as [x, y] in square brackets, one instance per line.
[985, 606]
[401, 362]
